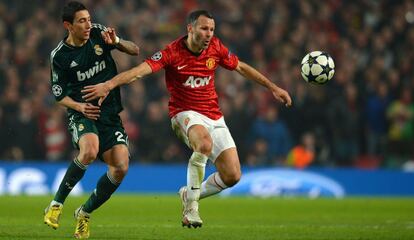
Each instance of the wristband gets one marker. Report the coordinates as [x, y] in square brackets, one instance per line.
[117, 40]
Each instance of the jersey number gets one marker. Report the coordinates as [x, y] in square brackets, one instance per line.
[120, 136]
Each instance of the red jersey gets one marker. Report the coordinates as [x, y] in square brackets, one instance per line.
[190, 77]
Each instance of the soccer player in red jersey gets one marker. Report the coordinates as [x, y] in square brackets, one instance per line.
[190, 63]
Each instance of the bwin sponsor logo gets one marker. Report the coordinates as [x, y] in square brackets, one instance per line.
[99, 66]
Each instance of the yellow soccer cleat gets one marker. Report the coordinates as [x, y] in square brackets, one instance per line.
[52, 215]
[82, 224]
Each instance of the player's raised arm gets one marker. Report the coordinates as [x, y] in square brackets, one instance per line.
[102, 90]
[249, 72]
[127, 47]
[123, 45]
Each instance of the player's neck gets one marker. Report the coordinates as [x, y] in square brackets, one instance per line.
[75, 41]
[192, 47]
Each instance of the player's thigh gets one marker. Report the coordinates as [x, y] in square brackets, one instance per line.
[117, 157]
[228, 165]
[111, 133]
[84, 136]
[200, 139]
[222, 140]
[89, 144]
[190, 128]
[114, 150]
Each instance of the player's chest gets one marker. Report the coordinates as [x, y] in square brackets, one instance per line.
[193, 72]
[86, 56]
[87, 62]
[192, 65]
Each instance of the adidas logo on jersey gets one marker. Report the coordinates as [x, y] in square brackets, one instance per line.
[73, 64]
[99, 66]
[195, 82]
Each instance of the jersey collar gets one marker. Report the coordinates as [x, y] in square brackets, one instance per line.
[183, 40]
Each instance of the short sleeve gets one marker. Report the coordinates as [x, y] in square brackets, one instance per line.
[58, 80]
[159, 60]
[101, 28]
[228, 59]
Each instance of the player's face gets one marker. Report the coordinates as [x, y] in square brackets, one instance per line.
[81, 26]
[203, 31]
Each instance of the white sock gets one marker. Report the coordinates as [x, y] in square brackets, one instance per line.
[82, 212]
[212, 185]
[195, 175]
[55, 203]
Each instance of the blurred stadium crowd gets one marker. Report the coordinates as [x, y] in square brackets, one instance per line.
[364, 117]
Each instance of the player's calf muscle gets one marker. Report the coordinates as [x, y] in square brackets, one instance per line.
[231, 179]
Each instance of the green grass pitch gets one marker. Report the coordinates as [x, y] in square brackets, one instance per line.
[158, 217]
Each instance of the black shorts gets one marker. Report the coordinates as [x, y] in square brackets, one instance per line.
[109, 131]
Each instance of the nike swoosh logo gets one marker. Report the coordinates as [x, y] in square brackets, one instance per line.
[181, 67]
[193, 188]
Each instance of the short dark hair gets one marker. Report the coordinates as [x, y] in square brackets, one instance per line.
[193, 16]
[70, 9]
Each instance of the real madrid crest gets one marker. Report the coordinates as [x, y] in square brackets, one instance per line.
[98, 50]
[210, 63]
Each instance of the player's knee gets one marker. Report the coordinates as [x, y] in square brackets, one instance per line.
[89, 154]
[122, 171]
[204, 146]
[231, 179]
[119, 172]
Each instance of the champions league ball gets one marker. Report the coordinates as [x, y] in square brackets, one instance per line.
[317, 67]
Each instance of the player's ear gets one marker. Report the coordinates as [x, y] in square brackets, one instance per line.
[67, 25]
[189, 28]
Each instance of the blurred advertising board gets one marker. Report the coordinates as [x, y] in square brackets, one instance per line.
[44, 178]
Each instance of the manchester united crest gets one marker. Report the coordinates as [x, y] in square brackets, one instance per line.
[98, 50]
[186, 121]
[210, 63]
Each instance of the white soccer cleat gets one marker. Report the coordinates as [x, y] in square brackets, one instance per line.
[191, 217]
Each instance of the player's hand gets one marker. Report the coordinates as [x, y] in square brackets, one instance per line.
[92, 92]
[90, 111]
[109, 36]
[282, 96]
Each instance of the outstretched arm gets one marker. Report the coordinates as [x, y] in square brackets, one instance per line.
[102, 90]
[249, 72]
[125, 46]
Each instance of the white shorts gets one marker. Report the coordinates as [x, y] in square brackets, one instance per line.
[217, 129]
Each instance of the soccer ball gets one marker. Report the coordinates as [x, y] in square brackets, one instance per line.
[317, 67]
